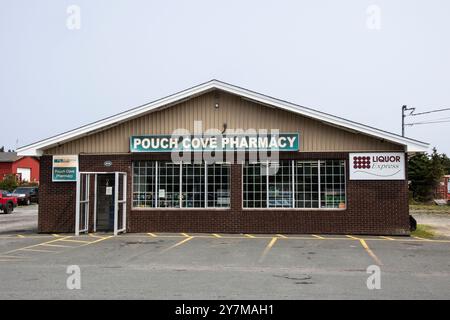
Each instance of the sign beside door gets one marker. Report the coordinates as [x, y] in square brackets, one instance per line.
[377, 166]
[64, 168]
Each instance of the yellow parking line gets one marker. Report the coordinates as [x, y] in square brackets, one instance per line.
[98, 240]
[267, 249]
[35, 245]
[290, 237]
[26, 237]
[185, 234]
[307, 238]
[177, 244]
[368, 250]
[72, 240]
[95, 236]
[8, 257]
[20, 236]
[37, 250]
[6, 260]
[54, 245]
[420, 238]
[318, 237]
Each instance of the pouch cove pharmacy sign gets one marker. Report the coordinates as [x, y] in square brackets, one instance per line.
[64, 168]
[377, 166]
[237, 142]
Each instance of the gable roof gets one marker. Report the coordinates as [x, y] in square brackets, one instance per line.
[36, 149]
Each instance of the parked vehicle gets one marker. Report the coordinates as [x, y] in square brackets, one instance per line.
[7, 202]
[26, 195]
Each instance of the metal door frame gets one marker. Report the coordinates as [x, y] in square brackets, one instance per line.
[85, 201]
[118, 202]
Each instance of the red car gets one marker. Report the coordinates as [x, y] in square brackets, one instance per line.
[7, 202]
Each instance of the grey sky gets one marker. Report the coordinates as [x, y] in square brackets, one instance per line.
[319, 54]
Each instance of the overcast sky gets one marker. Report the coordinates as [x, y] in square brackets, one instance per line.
[361, 60]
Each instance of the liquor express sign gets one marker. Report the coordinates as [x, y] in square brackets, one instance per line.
[64, 168]
[233, 142]
[377, 166]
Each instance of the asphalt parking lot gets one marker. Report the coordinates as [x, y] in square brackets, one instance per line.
[22, 220]
[222, 266]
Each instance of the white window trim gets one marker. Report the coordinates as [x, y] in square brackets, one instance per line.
[294, 208]
[158, 208]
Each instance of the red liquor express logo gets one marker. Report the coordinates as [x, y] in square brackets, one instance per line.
[361, 162]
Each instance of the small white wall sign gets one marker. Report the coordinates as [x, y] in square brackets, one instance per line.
[109, 191]
[377, 166]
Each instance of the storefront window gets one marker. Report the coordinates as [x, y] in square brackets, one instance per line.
[143, 184]
[168, 184]
[255, 185]
[218, 177]
[156, 184]
[307, 184]
[193, 195]
[280, 185]
[332, 184]
[295, 184]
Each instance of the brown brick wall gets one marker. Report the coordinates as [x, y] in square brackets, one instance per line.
[56, 201]
[373, 207]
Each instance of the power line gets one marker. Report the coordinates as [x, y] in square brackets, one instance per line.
[425, 122]
[411, 113]
[426, 112]
[444, 118]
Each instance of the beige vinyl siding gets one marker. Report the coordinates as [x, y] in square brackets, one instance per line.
[237, 113]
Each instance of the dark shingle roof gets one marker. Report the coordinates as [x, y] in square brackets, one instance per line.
[8, 156]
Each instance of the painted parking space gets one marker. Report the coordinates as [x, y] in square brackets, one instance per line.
[313, 255]
[426, 256]
[227, 235]
[222, 265]
[18, 247]
[278, 249]
[225, 251]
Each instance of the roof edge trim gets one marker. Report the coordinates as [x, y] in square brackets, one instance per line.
[36, 148]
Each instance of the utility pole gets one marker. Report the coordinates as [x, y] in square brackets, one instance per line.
[403, 120]
[412, 114]
[405, 108]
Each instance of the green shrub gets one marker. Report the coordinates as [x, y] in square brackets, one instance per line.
[9, 182]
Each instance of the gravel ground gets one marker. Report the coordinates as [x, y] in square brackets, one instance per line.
[440, 222]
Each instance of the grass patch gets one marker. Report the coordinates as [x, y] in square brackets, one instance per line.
[424, 231]
[429, 208]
